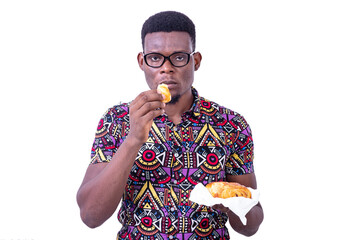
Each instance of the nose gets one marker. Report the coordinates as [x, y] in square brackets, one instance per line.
[167, 67]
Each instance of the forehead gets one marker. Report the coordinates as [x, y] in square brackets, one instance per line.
[167, 42]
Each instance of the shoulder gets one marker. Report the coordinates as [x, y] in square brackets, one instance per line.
[230, 119]
[116, 112]
[113, 125]
[113, 116]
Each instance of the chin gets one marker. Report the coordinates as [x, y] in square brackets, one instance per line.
[174, 99]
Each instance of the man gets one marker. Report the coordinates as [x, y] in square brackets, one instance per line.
[151, 154]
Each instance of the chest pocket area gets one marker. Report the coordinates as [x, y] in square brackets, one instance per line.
[149, 164]
[210, 161]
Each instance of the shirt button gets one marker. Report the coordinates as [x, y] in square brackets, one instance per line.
[175, 181]
[171, 237]
[172, 209]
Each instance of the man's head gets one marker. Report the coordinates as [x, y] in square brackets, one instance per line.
[168, 55]
[169, 21]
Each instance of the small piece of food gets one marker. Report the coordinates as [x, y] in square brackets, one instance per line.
[228, 189]
[164, 90]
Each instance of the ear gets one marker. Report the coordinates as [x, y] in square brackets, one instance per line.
[140, 59]
[197, 60]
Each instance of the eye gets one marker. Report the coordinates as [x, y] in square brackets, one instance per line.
[154, 57]
[179, 57]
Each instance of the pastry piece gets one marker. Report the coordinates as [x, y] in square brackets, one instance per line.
[228, 189]
[164, 90]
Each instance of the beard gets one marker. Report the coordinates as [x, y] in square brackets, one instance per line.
[174, 99]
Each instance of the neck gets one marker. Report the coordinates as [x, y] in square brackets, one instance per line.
[174, 111]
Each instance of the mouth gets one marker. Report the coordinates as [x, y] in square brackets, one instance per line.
[169, 83]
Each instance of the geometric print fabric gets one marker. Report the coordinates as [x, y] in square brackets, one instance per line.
[210, 142]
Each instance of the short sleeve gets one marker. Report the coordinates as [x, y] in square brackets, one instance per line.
[241, 159]
[108, 136]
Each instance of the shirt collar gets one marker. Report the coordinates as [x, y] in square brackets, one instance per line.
[195, 108]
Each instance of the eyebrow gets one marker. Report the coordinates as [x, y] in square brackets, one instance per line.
[185, 51]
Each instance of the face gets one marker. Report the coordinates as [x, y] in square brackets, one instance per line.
[179, 79]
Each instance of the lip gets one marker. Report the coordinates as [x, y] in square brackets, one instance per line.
[169, 83]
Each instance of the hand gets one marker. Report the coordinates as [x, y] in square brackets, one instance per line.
[143, 109]
[221, 208]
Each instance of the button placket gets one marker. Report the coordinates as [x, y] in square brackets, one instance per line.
[174, 147]
[177, 148]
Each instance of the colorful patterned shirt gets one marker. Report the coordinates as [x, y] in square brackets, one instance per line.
[210, 142]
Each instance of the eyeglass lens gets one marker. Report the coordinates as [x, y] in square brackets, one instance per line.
[177, 59]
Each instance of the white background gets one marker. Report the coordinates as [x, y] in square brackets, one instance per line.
[290, 67]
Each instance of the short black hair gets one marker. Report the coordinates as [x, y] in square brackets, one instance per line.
[168, 21]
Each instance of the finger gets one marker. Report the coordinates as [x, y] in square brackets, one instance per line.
[153, 114]
[218, 206]
[149, 107]
[147, 96]
[142, 106]
[221, 208]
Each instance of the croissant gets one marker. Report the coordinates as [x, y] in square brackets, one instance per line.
[228, 189]
[164, 90]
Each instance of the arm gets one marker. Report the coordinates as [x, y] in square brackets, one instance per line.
[254, 217]
[243, 146]
[104, 183]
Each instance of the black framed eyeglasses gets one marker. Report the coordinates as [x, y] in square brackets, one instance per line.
[177, 59]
